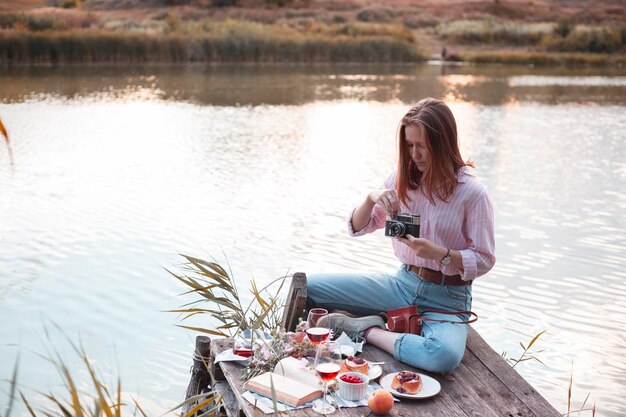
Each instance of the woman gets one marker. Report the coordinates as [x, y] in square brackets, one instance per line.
[455, 245]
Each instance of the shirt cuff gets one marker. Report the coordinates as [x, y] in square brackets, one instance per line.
[470, 268]
[361, 232]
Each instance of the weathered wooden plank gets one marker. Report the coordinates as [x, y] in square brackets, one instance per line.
[232, 372]
[478, 390]
[229, 399]
[295, 302]
[440, 405]
[461, 387]
[508, 376]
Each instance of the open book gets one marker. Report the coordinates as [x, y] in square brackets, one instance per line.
[293, 384]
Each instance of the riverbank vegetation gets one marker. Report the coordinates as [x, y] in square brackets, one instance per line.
[50, 39]
[75, 397]
[503, 31]
[515, 42]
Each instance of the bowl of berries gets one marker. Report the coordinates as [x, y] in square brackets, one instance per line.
[353, 386]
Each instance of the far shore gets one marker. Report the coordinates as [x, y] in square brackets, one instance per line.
[102, 47]
[311, 31]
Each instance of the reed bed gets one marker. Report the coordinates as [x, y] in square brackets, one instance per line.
[214, 41]
[86, 394]
[543, 58]
[561, 36]
[493, 32]
[604, 39]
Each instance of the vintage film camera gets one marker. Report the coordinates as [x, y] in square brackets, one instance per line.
[403, 224]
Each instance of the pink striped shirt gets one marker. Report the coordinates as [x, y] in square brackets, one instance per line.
[464, 223]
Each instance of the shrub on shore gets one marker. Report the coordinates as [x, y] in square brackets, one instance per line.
[543, 58]
[604, 39]
[211, 41]
[493, 32]
[563, 36]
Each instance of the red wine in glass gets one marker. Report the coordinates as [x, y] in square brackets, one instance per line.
[243, 351]
[327, 365]
[318, 334]
[328, 371]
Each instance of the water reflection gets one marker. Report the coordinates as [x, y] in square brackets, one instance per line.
[239, 85]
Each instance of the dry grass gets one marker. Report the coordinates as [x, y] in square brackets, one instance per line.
[219, 299]
[494, 32]
[527, 353]
[583, 38]
[4, 132]
[97, 400]
[551, 37]
[543, 58]
[205, 40]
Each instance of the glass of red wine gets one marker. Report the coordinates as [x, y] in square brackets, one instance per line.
[319, 328]
[318, 335]
[327, 367]
[318, 325]
[315, 314]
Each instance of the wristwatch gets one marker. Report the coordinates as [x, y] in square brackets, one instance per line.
[445, 261]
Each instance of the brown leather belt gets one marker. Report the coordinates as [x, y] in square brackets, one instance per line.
[437, 277]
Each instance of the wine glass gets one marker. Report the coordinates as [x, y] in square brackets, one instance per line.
[314, 315]
[319, 328]
[327, 367]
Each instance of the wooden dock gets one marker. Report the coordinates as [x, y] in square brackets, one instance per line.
[484, 385]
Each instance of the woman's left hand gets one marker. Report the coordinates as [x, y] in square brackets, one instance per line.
[423, 248]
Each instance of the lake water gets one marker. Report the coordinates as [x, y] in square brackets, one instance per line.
[112, 172]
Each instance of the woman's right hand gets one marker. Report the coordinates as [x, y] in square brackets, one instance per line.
[387, 199]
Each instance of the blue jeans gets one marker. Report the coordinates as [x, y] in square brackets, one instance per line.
[439, 348]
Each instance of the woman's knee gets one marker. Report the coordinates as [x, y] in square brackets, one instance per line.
[434, 355]
[446, 357]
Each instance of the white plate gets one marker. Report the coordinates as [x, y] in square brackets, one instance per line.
[430, 387]
[374, 371]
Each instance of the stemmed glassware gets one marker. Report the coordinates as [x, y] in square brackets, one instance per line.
[315, 314]
[319, 328]
[328, 365]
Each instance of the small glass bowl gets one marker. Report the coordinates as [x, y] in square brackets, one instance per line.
[351, 391]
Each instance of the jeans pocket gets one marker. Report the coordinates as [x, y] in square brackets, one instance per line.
[459, 292]
[461, 295]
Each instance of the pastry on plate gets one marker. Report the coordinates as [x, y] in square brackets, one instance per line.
[352, 364]
[407, 382]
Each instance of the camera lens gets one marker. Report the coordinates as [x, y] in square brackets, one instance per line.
[396, 229]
